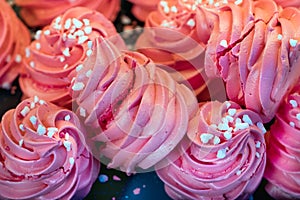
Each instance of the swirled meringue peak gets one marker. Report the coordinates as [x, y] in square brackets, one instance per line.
[222, 157]
[136, 112]
[175, 36]
[59, 49]
[43, 154]
[41, 13]
[283, 150]
[254, 47]
[14, 37]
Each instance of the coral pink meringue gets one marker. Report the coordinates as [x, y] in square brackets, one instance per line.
[59, 49]
[137, 111]
[222, 157]
[42, 154]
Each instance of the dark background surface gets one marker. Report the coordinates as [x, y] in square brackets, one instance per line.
[149, 184]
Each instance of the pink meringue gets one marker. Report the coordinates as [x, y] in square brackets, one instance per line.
[136, 110]
[14, 37]
[59, 49]
[40, 13]
[283, 167]
[43, 154]
[222, 157]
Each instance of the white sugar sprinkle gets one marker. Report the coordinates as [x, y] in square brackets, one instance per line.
[174, 9]
[223, 126]
[238, 2]
[37, 35]
[166, 9]
[279, 37]
[90, 44]
[70, 36]
[67, 118]
[42, 102]
[241, 126]
[88, 30]
[293, 103]
[77, 23]
[21, 127]
[66, 66]
[67, 145]
[47, 32]
[211, 2]
[257, 155]
[32, 105]
[258, 144]
[27, 52]
[62, 59]
[33, 120]
[231, 111]
[21, 142]
[86, 22]
[25, 111]
[163, 3]
[228, 104]
[35, 99]
[89, 73]
[82, 112]
[191, 22]
[227, 135]
[239, 172]
[38, 46]
[221, 153]
[229, 118]
[224, 43]
[298, 116]
[216, 140]
[18, 58]
[79, 67]
[293, 42]
[57, 19]
[79, 33]
[67, 24]
[89, 52]
[205, 137]
[51, 131]
[32, 64]
[78, 86]
[67, 136]
[261, 127]
[247, 119]
[292, 124]
[71, 160]
[41, 130]
[66, 52]
[82, 39]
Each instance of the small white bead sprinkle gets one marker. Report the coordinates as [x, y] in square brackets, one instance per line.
[90, 44]
[41, 130]
[258, 144]
[25, 111]
[18, 58]
[42, 102]
[205, 137]
[38, 46]
[86, 22]
[247, 119]
[82, 112]
[35, 99]
[32, 105]
[27, 52]
[223, 127]
[66, 52]
[79, 33]
[71, 37]
[71, 160]
[228, 104]
[231, 111]
[224, 43]
[57, 19]
[221, 153]
[66, 66]
[51, 131]
[216, 140]
[89, 73]
[21, 127]
[67, 118]
[174, 9]
[67, 24]
[62, 59]
[67, 136]
[37, 35]
[88, 30]
[191, 23]
[79, 67]
[82, 39]
[67, 145]
[77, 23]
[47, 32]
[241, 126]
[33, 120]
[163, 3]
[227, 135]
[292, 124]
[21, 142]
[257, 155]
[89, 52]
[78, 86]
[298, 116]
[279, 37]
[239, 172]
[238, 2]
[261, 127]
[293, 42]
[229, 118]
[293, 103]
[32, 64]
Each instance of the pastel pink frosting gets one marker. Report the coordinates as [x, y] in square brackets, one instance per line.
[282, 171]
[43, 154]
[290, 3]
[222, 157]
[61, 47]
[254, 47]
[14, 37]
[41, 13]
[175, 36]
[137, 112]
[141, 9]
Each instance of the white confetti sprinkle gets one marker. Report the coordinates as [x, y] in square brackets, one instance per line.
[205, 137]
[258, 144]
[65, 66]
[67, 136]
[66, 52]
[279, 37]
[216, 140]
[247, 119]
[35, 99]
[79, 67]
[229, 118]
[78, 86]
[231, 111]
[166, 9]
[257, 155]
[298, 116]
[25, 111]
[79, 33]
[223, 126]
[41, 130]
[163, 3]
[51, 131]
[77, 23]
[57, 19]
[221, 153]
[191, 23]
[32, 105]
[33, 120]
[71, 37]
[71, 160]
[89, 52]
[18, 58]
[90, 44]
[67, 118]
[86, 22]
[227, 135]
[21, 142]
[261, 127]
[224, 43]
[174, 9]
[82, 112]
[82, 39]
[67, 24]
[293, 42]
[293, 103]
[211, 2]
[21, 127]
[67, 145]
[88, 30]
[217, 4]
[241, 126]
[47, 32]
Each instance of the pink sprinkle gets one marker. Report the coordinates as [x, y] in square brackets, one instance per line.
[136, 191]
[116, 178]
